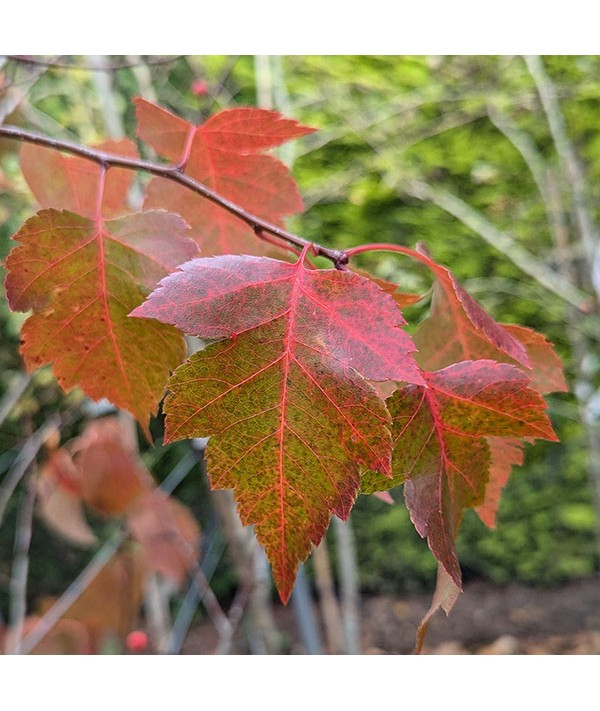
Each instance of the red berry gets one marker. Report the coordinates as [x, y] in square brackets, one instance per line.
[199, 87]
[137, 641]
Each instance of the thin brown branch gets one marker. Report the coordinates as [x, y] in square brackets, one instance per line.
[550, 279]
[27, 455]
[13, 394]
[73, 592]
[567, 156]
[174, 173]
[115, 66]
[20, 565]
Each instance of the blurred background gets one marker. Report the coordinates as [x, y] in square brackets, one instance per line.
[494, 164]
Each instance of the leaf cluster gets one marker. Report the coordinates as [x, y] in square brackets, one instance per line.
[309, 387]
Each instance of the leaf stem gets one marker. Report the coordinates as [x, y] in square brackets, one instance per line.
[20, 566]
[550, 280]
[419, 253]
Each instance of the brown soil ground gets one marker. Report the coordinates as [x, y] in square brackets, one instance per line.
[487, 619]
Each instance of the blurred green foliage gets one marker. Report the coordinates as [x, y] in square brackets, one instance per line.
[384, 121]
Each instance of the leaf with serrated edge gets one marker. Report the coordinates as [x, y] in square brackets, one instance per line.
[445, 337]
[226, 154]
[82, 277]
[449, 335]
[443, 340]
[291, 417]
[505, 454]
[440, 449]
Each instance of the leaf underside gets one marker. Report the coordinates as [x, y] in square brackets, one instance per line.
[71, 183]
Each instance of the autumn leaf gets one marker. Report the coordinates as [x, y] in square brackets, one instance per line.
[403, 299]
[110, 473]
[458, 328]
[71, 183]
[65, 637]
[81, 277]
[167, 532]
[97, 470]
[441, 453]
[444, 598]
[102, 470]
[505, 454]
[226, 153]
[60, 501]
[109, 606]
[286, 399]
[546, 374]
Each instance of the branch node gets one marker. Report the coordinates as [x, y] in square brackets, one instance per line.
[339, 258]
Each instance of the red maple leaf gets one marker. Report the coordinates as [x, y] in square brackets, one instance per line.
[81, 277]
[441, 453]
[459, 329]
[448, 336]
[81, 271]
[71, 183]
[286, 400]
[505, 454]
[226, 154]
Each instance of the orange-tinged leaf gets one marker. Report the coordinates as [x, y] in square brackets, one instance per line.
[81, 277]
[547, 374]
[111, 475]
[402, 298]
[66, 637]
[226, 154]
[458, 324]
[286, 400]
[60, 501]
[71, 182]
[110, 604]
[459, 329]
[102, 469]
[505, 454]
[384, 496]
[168, 533]
[441, 453]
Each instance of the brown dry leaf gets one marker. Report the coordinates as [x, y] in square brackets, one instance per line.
[111, 474]
[110, 604]
[66, 637]
[60, 499]
[168, 533]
